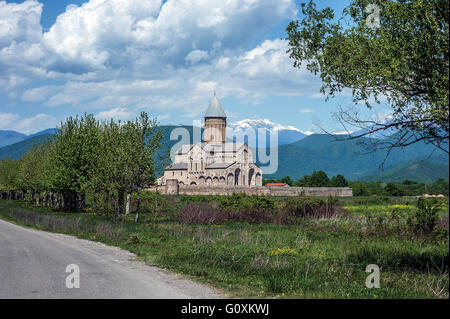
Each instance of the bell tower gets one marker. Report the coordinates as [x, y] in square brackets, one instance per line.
[215, 123]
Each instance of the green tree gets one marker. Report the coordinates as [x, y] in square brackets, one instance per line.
[145, 141]
[305, 181]
[319, 179]
[393, 190]
[74, 159]
[404, 59]
[126, 160]
[287, 180]
[32, 172]
[9, 177]
[338, 181]
[359, 189]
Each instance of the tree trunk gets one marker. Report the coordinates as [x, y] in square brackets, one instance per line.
[138, 205]
[67, 200]
[79, 199]
[114, 205]
[127, 207]
[50, 199]
[44, 198]
[106, 203]
[74, 201]
[120, 202]
[38, 195]
[64, 199]
[32, 196]
[83, 201]
[58, 200]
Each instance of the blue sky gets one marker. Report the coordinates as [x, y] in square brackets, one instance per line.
[115, 58]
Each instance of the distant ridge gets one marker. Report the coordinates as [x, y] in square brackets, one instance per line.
[421, 171]
[350, 158]
[17, 150]
[285, 134]
[420, 162]
[8, 137]
[47, 131]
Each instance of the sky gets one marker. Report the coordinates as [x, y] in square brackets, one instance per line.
[115, 58]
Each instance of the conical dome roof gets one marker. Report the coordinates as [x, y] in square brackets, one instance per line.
[215, 109]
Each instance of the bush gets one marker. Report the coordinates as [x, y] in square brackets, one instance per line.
[202, 213]
[239, 202]
[394, 256]
[101, 206]
[257, 210]
[425, 217]
[311, 207]
[153, 203]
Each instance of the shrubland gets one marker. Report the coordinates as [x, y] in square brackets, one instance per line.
[257, 246]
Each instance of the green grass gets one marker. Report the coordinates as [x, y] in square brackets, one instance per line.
[316, 258]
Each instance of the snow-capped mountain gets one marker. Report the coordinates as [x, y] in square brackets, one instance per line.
[379, 134]
[276, 134]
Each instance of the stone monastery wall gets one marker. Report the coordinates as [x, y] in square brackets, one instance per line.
[172, 187]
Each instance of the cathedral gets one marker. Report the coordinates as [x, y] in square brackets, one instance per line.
[215, 161]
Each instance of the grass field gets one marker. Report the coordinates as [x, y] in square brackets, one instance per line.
[311, 257]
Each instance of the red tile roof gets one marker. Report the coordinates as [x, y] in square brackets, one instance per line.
[276, 184]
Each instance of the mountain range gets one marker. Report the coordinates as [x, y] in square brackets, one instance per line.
[11, 137]
[277, 133]
[355, 159]
[301, 153]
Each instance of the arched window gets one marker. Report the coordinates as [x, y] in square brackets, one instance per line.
[237, 175]
[258, 181]
[251, 177]
[230, 179]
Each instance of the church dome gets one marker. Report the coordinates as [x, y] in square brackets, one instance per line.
[215, 109]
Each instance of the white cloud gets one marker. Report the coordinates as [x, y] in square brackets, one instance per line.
[39, 93]
[10, 121]
[267, 69]
[164, 117]
[36, 123]
[6, 119]
[122, 114]
[19, 22]
[147, 35]
[196, 56]
[20, 35]
[346, 92]
[252, 75]
[382, 117]
[123, 56]
[306, 111]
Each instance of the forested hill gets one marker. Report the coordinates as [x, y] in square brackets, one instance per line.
[352, 159]
[17, 150]
[316, 152]
[10, 137]
[422, 171]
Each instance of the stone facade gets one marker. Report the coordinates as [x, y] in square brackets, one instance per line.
[217, 167]
[173, 188]
[214, 162]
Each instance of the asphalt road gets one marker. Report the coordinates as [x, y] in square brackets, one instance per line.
[33, 265]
